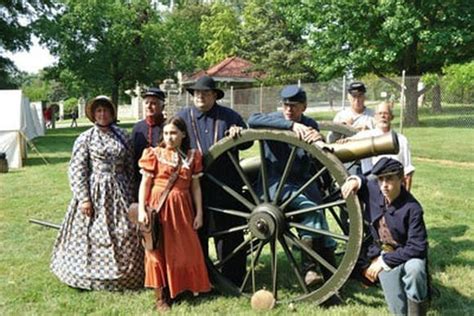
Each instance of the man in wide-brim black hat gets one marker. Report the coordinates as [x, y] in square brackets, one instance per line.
[147, 132]
[208, 122]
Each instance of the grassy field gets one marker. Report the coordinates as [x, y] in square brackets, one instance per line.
[443, 152]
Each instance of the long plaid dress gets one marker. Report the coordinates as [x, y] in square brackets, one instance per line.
[102, 251]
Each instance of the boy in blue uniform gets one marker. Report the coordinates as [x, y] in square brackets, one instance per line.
[397, 257]
[293, 99]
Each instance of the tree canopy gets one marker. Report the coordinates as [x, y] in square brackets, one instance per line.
[106, 44]
[16, 19]
[388, 36]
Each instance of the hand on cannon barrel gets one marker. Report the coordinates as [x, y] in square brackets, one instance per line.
[306, 133]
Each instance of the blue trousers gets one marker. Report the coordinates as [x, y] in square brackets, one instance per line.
[406, 281]
[314, 219]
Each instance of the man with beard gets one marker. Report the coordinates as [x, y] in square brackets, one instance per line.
[383, 124]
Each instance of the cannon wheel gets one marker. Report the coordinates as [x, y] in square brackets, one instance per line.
[270, 227]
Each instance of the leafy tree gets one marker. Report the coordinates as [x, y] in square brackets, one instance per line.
[459, 82]
[35, 88]
[220, 32]
[181, 41]
[108, 45]
[15, 30]
[70, 105]
[38, 87]
[388, 36]
[272, 44]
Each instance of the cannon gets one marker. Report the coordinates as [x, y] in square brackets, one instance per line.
[271, 244]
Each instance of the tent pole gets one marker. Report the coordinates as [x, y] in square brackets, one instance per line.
[33, 147]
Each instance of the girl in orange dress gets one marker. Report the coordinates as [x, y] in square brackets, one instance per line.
[178, 264]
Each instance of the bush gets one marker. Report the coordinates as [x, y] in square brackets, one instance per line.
[70, 105]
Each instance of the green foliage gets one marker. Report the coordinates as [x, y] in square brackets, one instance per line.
[388, 36]
[10, 76]
[37, 87]
[181, 41]
[70, 106]
[420, 36]
[459, 82]
[105, 44]
[15, 29]
[220, 32]
[274, 45]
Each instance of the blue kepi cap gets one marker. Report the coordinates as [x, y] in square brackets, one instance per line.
[293, 94]
[387, 166]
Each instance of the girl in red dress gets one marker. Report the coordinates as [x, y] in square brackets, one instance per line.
[178, 264]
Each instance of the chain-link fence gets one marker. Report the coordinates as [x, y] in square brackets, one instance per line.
[430, 97]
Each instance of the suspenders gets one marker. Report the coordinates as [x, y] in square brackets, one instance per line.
[196, 131]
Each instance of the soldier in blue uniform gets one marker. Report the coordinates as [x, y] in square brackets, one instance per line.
[397, 257]
[208, 122]
[293, 99]
[147, 132]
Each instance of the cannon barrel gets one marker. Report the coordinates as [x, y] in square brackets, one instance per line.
[353, 149]
[365, 147]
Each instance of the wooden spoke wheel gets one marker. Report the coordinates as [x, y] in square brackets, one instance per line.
[270, 228]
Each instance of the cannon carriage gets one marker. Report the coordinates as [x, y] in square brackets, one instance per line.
[271, 245]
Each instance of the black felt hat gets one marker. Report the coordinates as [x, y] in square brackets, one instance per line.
[387, 166]
[206, 83]
[293, 94]
[155, 92]
[356, 86]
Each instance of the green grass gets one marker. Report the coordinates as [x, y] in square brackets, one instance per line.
[443, 183]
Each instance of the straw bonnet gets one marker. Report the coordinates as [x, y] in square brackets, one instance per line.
[100, 100]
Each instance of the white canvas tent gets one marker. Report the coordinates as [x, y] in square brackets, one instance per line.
[18, 120]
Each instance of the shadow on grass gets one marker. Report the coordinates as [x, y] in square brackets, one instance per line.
[446, 250]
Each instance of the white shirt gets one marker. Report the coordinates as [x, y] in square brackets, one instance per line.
[404, 155]
[362, 121]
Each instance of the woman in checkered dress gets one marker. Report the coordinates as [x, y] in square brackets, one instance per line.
[97, 246]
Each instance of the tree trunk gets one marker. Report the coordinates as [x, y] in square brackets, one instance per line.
[411, 107]
[436, 102]
[115, 93]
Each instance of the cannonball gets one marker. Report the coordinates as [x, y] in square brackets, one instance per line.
[262, 300]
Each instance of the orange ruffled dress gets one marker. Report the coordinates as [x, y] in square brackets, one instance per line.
[180, 264]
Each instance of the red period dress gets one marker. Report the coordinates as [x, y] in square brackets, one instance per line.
[180, 264]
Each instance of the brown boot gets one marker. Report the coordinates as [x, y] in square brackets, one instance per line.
[161, 300]
[311, 276]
